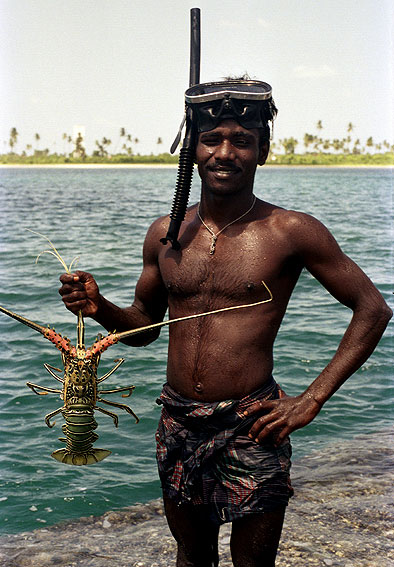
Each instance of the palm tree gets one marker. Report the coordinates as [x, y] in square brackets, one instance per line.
[13, 138]
[37, 138]
[122, 134]
[308, 139]
[317, 142]
[79, 151]
[356, 149]
[64, 137]
[102, 151]
[159, 142]
[337, 144]
[289, 145]
[128, 148]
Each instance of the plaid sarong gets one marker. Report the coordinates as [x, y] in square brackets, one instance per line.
[205, 456]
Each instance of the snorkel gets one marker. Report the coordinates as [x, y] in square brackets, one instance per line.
[248, 102]
[186, 154]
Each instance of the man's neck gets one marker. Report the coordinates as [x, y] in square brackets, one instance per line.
[219, 209]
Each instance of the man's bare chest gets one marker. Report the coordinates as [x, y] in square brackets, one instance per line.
[234, 272]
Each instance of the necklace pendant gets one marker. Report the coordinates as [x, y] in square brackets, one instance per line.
[213, 245]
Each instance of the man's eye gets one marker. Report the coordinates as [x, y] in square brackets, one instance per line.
[241, 142]
[210, 141]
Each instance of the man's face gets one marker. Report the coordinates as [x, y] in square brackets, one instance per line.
[227, 158]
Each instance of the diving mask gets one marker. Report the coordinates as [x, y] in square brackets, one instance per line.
[246, 101]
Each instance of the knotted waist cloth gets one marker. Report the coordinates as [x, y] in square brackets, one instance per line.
[205, 456]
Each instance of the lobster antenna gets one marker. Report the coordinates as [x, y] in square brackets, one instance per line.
[80, 331]
[25, 321]
[125, 334]
[56, 253]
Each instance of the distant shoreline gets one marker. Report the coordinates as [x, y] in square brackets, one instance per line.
[175, 166]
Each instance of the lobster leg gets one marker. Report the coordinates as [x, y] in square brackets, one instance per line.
[108, 374]
[49, 415]
[120, 406]
[127, 389]
[45, 390]
[113, 415]
[50, 369]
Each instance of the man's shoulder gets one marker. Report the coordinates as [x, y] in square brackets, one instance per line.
[288, 219]
[159, 225]
[295, 229]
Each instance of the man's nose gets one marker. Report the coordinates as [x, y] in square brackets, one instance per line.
[225, 151]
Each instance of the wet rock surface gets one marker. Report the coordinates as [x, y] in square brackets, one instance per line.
[341, 515]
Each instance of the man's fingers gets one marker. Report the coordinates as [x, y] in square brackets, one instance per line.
[277, 430]
[259, 406]
[68, 288]
[263, 422]
[75, 306]
[67, 278]
[76, 276]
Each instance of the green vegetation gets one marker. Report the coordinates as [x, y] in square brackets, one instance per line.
[326, 159]
[344, 151]
[45, 158]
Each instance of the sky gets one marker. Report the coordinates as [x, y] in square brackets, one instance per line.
[103, 65]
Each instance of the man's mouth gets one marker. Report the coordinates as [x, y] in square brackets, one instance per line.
[224, 171]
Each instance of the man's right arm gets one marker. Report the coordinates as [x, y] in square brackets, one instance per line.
[80, 292]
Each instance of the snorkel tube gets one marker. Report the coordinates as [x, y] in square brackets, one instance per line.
[186, 154]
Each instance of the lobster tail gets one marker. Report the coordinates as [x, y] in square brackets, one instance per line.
[68, 458]
[79, 430]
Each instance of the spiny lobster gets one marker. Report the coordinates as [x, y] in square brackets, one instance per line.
[80, 392]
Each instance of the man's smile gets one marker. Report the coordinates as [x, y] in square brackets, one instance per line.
[223, 171]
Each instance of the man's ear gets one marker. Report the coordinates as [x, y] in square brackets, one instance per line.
[263, 152]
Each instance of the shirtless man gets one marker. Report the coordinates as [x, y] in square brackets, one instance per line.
[231, 242]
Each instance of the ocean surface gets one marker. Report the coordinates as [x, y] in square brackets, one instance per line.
[102, 215]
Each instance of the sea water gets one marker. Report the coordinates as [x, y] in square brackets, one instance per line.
[102, 216]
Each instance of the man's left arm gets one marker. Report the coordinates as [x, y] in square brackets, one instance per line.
[321, 255]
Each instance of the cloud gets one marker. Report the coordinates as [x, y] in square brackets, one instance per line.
[310, 71]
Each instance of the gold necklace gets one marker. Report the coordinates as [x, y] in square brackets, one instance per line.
[215, 236]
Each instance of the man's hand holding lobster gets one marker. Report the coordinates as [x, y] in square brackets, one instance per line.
[80, 292]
